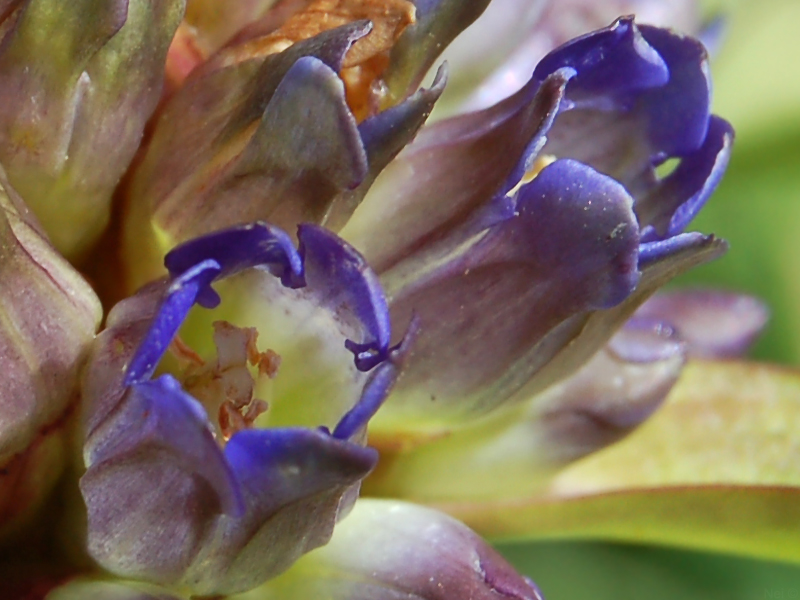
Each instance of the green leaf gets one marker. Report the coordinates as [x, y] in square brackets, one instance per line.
[714, 469]
[615, 571]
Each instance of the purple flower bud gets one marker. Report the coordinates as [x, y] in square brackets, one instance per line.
[618, 389]
[386, 550]
[48, 318]
[496, 55]
[78, 81]
[530, 231]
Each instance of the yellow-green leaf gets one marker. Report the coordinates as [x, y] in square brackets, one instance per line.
[715, 468]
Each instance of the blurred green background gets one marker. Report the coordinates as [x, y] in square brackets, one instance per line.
[757, 208]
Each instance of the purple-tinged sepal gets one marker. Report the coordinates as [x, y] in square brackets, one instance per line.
[214, 160]
[451, 171]
[214, 462]
[296, 484]
[387, 549]
[713, 323]
[273, 136]
[78, 82]
[384, 136]
[48, 318]
[659, 262]
[155, 453]
[521, 449]
[499, 308]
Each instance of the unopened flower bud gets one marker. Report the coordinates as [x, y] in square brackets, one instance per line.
[78, 81]
[386, 550]
[48, 317]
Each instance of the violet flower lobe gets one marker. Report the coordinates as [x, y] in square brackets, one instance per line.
[495, 56]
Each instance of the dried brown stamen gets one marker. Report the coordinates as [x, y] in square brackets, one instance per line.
[226, 386]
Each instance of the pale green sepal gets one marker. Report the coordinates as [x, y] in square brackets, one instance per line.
[96, 589]
[714, 469]
[78, 81]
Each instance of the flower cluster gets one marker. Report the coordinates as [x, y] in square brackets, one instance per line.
[322, 291]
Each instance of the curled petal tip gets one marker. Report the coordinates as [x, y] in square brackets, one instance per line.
[672, 204]
[663, 250]
[179, 297]
[358, 296]
[615, 61]
[239, 248]
[376, 390]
